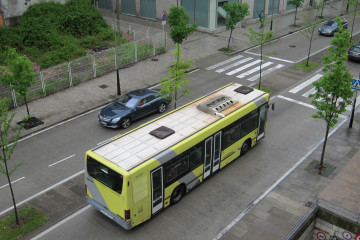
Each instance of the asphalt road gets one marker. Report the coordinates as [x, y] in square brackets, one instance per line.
[58, 153]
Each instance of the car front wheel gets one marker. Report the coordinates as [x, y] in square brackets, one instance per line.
[125, 123]
[162, 108]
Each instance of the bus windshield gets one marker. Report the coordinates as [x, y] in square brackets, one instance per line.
[104, 174]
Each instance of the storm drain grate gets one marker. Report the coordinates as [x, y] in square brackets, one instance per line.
[308, 204]
[292, 46]
[103, 86]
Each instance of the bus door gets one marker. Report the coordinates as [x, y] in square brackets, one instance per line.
[157, 190]
[212, 154]
[262, 121]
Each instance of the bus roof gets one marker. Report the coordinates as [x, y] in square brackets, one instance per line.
[138, 146]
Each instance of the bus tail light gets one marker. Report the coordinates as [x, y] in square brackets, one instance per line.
[127, 215]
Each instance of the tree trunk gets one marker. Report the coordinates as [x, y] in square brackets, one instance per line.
[27, 108]
[9, 181]
[261, 59]
[176, 68]
[308, 58]
[324, 146]
[295, 17]
[229, 39]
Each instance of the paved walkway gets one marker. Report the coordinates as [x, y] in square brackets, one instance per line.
[277, 212]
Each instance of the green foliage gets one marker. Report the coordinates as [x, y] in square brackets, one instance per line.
[236, 12]
[260, 38]
[50, 32]
[307, 66]
[177, 86]
[179, 24]
[311, 24]
[19, 73]
[34, 219]
[297, 4]
[333, 91]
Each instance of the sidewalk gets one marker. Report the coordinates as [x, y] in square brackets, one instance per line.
[281, 208]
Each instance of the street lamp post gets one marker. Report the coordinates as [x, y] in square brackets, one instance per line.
[116, 53]
[353, 108]
[272, 14]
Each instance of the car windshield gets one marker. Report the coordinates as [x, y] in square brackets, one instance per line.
[330, 23]
[356, 49]
[127, 101]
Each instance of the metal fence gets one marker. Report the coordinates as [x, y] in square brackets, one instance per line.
[327, 205]
[142, 45]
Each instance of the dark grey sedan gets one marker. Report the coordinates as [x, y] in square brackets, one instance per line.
[132, 106]
[354, 52]
[330, 27]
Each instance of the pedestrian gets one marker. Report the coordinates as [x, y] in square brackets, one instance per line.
[261, 17]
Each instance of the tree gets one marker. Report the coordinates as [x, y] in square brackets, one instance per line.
[297, 4]
[19, 74]
[355, 4]
[310, 27]
[260, 38]
[333, 91]
[8, 149]
[236, 12]
[179, 31]
[322, 3]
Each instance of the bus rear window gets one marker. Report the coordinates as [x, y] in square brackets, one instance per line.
[104, 174]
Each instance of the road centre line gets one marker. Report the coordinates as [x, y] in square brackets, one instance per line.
[61, 160]
[12, 182]
[272, 187]
[61, 222]
[41, 192]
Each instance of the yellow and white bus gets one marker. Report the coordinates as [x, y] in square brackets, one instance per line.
[134, 176]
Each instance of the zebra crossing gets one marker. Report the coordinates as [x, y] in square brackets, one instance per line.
[306, 88]
[245, 67]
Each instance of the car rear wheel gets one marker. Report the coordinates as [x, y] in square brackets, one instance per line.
[125, 123]
[162, 108]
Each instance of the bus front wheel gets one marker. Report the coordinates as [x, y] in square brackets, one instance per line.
[177, 194]
[245, 147]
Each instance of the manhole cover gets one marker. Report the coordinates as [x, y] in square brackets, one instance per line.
[308, 204]
[292, 46]
[103, 86]
[154, 59]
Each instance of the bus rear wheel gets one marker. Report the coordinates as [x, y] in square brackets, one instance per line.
[245, 147]
[177, 194]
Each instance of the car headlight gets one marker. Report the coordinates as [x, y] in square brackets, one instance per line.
[116, 120]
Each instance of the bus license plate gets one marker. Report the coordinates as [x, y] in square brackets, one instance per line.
[106, 214]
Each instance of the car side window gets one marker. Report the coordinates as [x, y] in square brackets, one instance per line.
[146, 100]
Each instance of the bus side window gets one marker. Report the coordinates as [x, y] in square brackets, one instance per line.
[232, 135]
[196, 157]
[174, 170]
[250, 123]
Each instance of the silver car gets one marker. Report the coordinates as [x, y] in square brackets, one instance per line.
[330, 27]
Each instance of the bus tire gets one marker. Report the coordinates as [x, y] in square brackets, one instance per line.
[125, 123]
[245, 147]
[177, 194]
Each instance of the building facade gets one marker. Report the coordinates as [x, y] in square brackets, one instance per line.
[209, 14]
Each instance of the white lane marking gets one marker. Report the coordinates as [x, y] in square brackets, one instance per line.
[254, 70]
[302, 103]
[243, 67]
[306, 83]
[233, 65]
[272, 187]
[62, 160]
[224, 62]
[12, 182]
[61, 222]
[296, 101]
[268, 71]
[311, 91]
[41, 192]
[274, 58]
